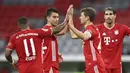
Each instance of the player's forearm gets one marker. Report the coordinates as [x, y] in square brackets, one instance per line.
[12, 62]
[8, 55]
[63, 32]
[73, 35]
[78, 33]
[59, 28]
[9, 58]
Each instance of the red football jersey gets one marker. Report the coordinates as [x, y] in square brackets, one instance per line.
[91, 46]
[50, 57]
[27, 44]
[112, 41]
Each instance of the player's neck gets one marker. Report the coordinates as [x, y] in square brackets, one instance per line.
[49, 24]
[28, 28]
[88, 23]
[109, 26]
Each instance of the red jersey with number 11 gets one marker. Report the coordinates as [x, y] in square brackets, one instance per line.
[27, 44]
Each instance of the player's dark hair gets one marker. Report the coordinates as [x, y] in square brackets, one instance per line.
[50, 11]
[23, 22]
[110, 9]
[89, 11]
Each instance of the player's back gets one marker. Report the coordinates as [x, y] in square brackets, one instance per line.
[27, 42]
[28, 47]
[51, 55]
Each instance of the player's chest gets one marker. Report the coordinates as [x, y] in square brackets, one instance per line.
[50, 39]
[110, 37]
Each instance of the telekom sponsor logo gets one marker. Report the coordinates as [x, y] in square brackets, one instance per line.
[107, 40]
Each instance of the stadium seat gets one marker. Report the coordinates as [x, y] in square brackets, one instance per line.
[76, 3]
[62, 6]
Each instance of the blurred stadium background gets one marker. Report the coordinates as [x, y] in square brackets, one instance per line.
[11, 10]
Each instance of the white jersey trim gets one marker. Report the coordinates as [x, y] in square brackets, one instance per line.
[93, 50]
[96, 69]
[53, 50]
[51, 70]
[88, 33]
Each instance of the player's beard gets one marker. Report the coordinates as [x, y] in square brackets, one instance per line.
[54, 24]
[109, 21]
[83, 22]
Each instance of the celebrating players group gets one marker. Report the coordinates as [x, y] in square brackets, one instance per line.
[37, 49]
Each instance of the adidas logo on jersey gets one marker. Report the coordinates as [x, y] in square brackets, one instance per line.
[104, 33]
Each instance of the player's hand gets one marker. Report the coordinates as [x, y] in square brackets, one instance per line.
[69, 12]
[60, 58]
[70, 23]
[15, 64]
[70, 16]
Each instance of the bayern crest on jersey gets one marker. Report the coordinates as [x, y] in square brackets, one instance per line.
[116, 32]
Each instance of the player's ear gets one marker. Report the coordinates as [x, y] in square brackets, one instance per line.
[47, 17]
[104, 16]
[115, 15]
[87, 18]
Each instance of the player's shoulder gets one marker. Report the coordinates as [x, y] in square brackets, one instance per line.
[15, 34]
[121, 25]
[91, 27]
[47, 27]
[99, 25]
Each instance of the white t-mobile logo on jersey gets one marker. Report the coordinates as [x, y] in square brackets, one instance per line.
[107, 40]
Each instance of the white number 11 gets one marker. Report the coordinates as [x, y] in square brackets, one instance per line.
[26, 47]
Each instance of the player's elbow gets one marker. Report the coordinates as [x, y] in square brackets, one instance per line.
[63, 33]
[74, 37]
[85, 38]
[7, 55]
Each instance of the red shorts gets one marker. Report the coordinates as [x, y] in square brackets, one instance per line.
[52, 70]
[114, 70]
[95, 69]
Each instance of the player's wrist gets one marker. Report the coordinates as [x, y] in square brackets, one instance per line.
[59, 54]
[12, 62]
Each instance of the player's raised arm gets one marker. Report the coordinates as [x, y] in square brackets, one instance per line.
[73, 35]
[80, 34]
[63, 25]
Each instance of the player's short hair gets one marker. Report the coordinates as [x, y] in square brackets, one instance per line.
[23, 22]
[50, 11]
[89, 11]
[110, 9]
